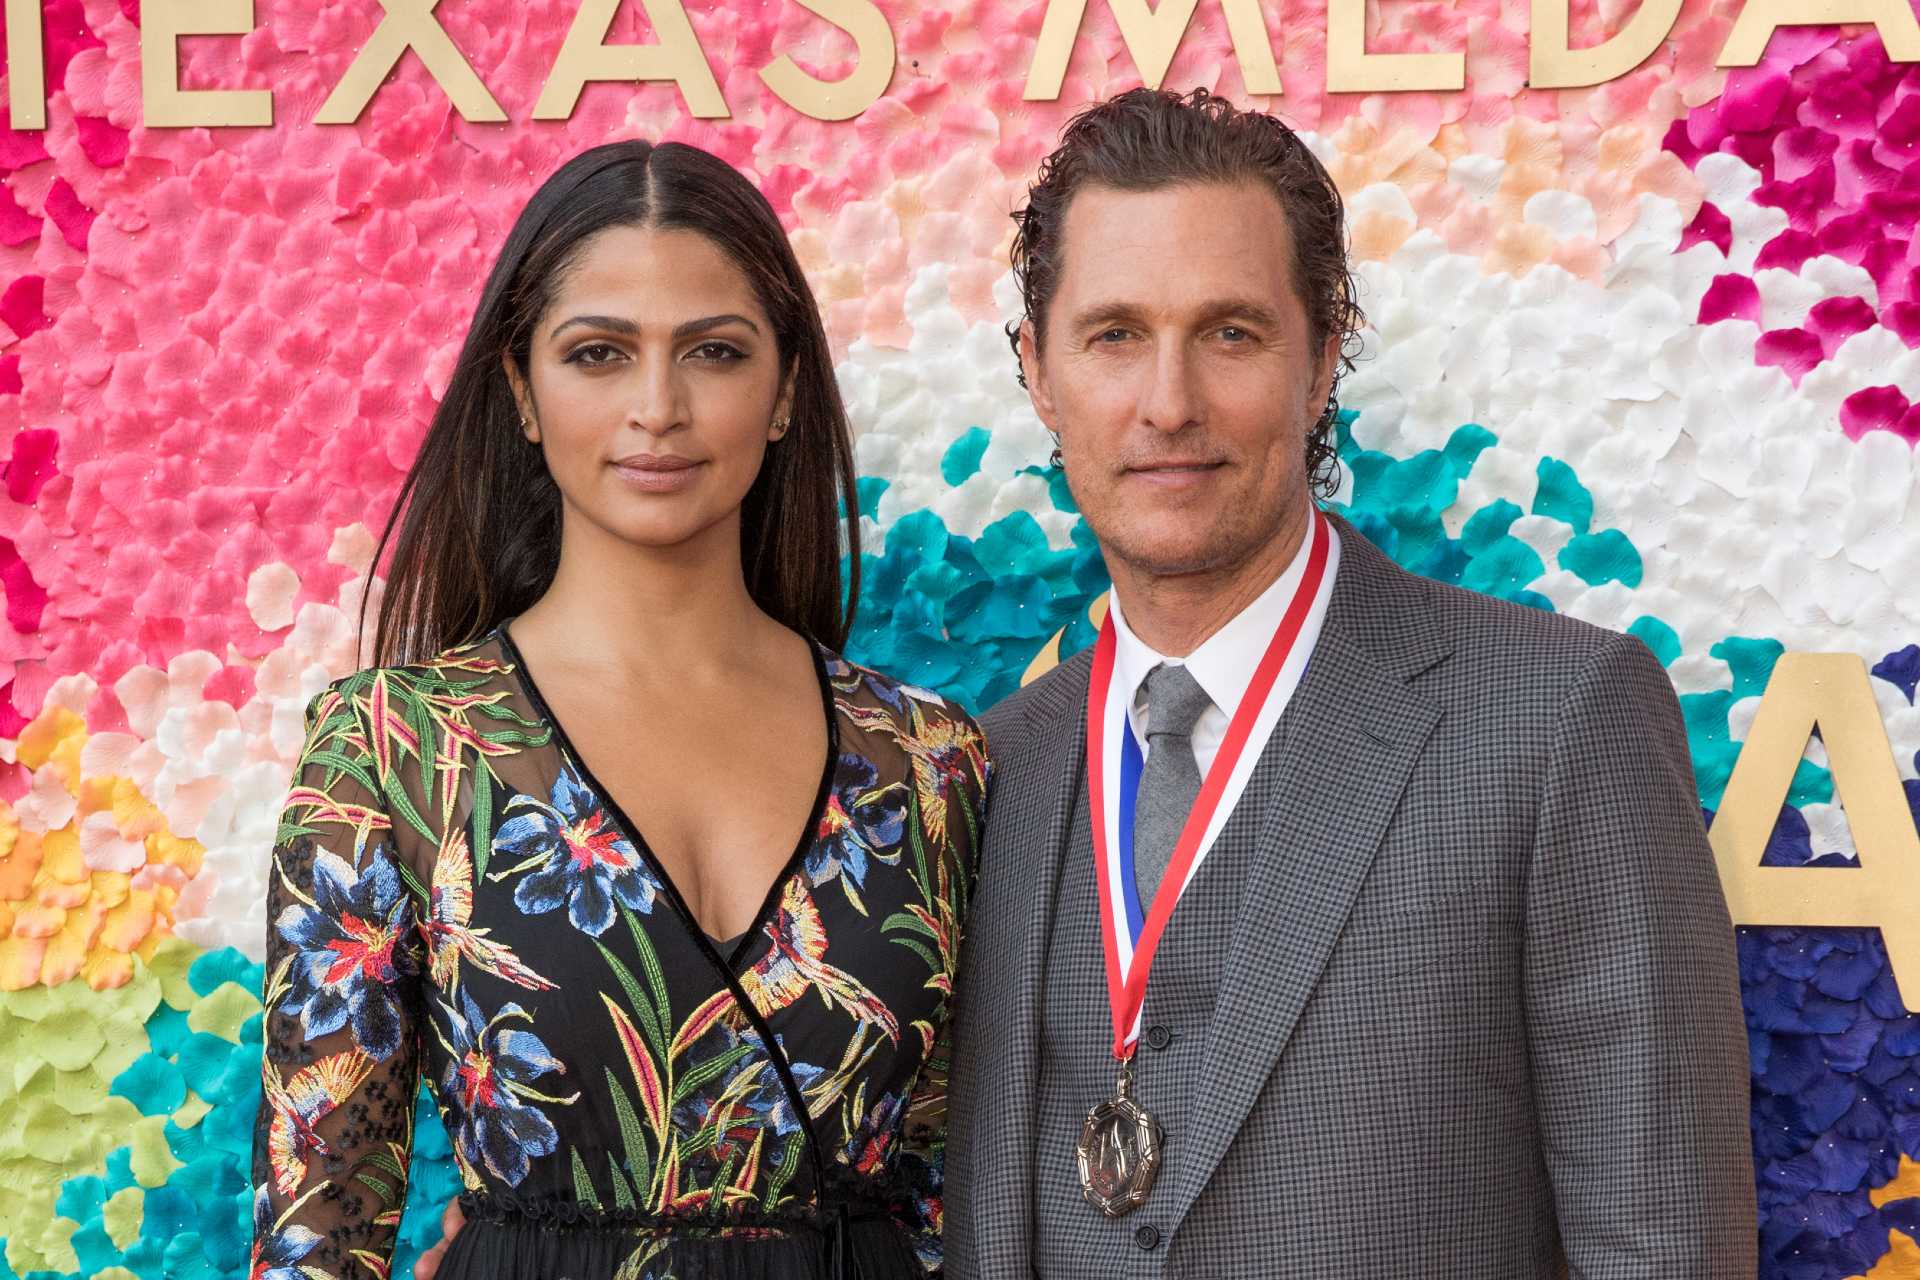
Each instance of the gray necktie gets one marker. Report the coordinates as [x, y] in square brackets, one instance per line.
[1170, 783]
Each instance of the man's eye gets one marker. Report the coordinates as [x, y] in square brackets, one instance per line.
[1111, 335]
[594, 353]
[1234, 333]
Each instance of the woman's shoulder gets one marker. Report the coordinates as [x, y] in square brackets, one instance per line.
[463, 671]
[917, 711]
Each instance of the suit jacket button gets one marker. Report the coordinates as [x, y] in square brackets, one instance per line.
[1158, 1037]
[1147, 1237]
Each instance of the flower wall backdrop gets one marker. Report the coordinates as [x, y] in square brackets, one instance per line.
[1647, 353]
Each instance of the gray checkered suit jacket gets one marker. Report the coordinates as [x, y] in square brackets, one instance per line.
[1478, 1014]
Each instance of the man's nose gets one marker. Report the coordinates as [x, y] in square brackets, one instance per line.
[1170, 399]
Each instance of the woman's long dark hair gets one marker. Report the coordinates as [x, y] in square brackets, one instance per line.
[478, 517]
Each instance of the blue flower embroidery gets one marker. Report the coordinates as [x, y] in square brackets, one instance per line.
[354, 939]
[861, 820]
[489, 1067]
[277, 1254]
[583, 860]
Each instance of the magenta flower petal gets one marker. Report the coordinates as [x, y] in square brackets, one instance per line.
[1753, 98]
[1794, 350]
[1873, 409]
[1709, 226]
[1730, 297]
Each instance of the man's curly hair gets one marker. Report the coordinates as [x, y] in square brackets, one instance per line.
[1146, 139]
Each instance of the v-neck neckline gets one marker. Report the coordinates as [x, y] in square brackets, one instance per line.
[522, 674]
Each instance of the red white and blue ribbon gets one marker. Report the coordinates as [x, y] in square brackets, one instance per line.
[1130, 931]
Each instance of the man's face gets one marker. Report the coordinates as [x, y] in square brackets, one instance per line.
[1180, 374]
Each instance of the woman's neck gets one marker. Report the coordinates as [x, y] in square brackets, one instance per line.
[628, 610]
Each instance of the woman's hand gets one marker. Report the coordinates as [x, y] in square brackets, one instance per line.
[450, 1223]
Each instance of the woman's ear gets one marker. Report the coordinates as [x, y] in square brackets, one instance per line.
[522, 398]
[782, 410]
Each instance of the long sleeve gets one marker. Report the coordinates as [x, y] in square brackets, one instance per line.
[344, 955]
[1632, 993]
[923, 1155]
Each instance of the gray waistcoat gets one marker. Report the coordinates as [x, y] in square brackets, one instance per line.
[1077, 1068]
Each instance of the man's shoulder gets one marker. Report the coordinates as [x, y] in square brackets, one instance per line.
[1500, 643]
[1036, 708]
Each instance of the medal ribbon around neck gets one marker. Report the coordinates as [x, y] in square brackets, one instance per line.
[1126, 992]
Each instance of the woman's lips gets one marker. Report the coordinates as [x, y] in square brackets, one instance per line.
[658, 473]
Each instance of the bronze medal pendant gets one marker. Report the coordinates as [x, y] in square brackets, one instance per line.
[1119, 1152]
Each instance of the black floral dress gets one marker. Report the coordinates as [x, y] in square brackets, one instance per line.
[453, 896]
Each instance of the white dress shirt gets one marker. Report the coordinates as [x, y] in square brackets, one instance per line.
[1224, 666]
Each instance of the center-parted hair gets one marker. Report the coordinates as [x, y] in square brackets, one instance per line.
[1149, 139]
[478, 517]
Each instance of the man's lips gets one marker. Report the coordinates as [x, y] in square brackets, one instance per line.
[1152, 470]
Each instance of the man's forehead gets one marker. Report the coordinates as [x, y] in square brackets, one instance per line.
[1178, 246]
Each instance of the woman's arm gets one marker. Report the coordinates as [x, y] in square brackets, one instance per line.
[335, 1125]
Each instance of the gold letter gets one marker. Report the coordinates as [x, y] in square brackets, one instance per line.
[1829, 690]
[1894, 19]
[26, 66]
[584, 56]
[167, 105]
[1351, 69]
[1554, 66]
[1151, 36]
[872, 68]
[409, 24]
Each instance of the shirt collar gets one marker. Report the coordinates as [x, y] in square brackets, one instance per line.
[1224, 663]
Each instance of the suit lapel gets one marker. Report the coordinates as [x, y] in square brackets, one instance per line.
[1335, 768]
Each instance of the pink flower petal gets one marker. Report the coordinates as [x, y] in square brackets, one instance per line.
[68, 214]
[26, 599]
[104, 142]
[32, 463]
[20, 306]
[17, 226]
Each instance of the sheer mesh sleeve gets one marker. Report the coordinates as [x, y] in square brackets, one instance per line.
[923, 1155]
[344, 956]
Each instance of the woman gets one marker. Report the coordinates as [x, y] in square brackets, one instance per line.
[544, 856]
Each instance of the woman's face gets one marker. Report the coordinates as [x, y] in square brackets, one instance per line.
[653, 386]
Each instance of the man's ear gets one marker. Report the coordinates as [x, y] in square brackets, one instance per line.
[1323, 379]
[522, 398]
[1038, 389]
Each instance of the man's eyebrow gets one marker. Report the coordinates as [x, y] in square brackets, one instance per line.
[1116, 312]
[1246, 308]
[1106, 313]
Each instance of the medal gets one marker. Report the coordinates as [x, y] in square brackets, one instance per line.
[1119, 1151]
[1121, 1143]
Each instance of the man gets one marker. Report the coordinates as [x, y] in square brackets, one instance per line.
[1450, 989]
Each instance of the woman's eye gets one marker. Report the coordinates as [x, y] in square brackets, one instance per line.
[717, 351]
[594, 353]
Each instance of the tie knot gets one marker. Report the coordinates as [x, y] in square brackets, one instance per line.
[1175, 701]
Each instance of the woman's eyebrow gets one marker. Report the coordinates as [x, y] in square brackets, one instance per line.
[628, 328]
[613, 323]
